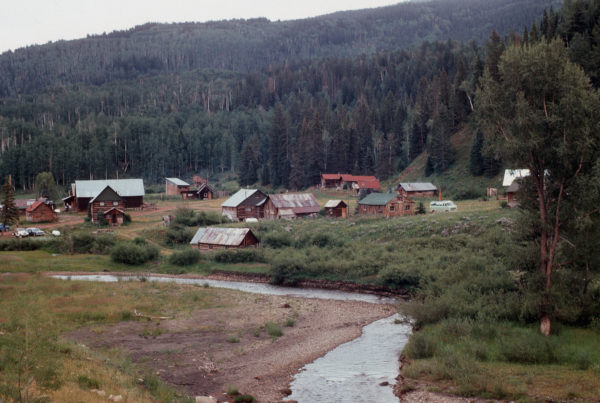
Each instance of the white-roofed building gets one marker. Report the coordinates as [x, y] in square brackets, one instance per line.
[175, 186]
[511, 174]
[245, 203]
[130, 190]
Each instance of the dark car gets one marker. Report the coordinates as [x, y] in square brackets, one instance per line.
[35, 232]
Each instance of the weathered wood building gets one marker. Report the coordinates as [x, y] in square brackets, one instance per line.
[213, 238]
[245, 203]
[131, 192]
[416, 189]
[176, 187]
[23, 204]
[291, 205]
[336, 209]
[40, 212]
[356, 182]
[386, 204]
[109, 204]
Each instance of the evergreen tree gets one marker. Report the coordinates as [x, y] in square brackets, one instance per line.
[476, 166]
[9, 214]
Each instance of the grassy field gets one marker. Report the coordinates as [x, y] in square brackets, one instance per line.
[477, 335]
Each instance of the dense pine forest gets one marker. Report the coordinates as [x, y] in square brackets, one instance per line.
[364, 92]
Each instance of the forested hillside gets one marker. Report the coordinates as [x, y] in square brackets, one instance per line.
[282, 125]
[249, 45]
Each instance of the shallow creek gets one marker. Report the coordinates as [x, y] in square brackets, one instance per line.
[354, 371]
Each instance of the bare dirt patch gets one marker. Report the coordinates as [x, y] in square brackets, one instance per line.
[208, 350]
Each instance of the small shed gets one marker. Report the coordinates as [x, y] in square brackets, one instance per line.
[106, 200]
[39, 212]
[205, 192]
[386, 204]
[176, 187]
[114, 216]
[336, 208]
[416, 189]
[212, 238]
[511, 193]
[245, 203]
[291, 205]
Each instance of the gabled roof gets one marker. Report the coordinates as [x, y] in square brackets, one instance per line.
[378, 199]
[203, 186]
[417, 186]
[239, 197]
[111, 209]
[177, 181]
[35, 205]
[299, 203]
[220, 236]
[334, 203]
[511, 174]
[123, 187]
[106, 194]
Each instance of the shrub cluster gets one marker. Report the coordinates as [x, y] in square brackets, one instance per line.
[88, 243]
[134, 253]
[178, 234]
[246, 255]
[185, 258]
[190, 218]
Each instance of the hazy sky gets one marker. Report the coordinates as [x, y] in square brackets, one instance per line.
[28, 22]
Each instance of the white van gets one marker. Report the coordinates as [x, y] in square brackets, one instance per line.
[444, 205]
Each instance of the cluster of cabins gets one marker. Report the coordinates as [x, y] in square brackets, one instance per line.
[199, 190]
[105, 199]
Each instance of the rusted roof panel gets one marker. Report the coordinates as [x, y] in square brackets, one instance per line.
[220, 236]
[300, 203]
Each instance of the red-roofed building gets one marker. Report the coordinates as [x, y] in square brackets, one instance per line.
[356, 182]
[39, 212]
[330, 181]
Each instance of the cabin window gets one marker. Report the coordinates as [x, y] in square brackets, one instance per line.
[407, 207]
[210, 246]
[248, 209]
[392, 207]
[101, 203]
[115, 203]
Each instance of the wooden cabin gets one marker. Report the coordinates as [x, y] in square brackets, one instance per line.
[338, 181]
[511, 194]
[23, 204]
[386, 204]
[331, 181]
[176, 187]
[213, 238]
[106, 200]
[114, 216]
[39, 212]
[245, 203]
[131, 192]
[291, 205]
[336, 209]
[416, 189]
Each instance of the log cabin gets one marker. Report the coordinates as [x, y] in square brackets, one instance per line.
[109, 204]
[416, 189]
[386, 204]
[40, 212]
[291, 205]
[245, 203]
[131, 192]
[212, 238]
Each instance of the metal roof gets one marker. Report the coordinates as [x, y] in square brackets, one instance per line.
[330, 176]
[511, 174]
[123, 187]
[106, 191]
[300, 203]
[177, 181]
[238, 198]
[378, 199]
[513, 188]
[333, 203]
[220, 236]
[417, 186]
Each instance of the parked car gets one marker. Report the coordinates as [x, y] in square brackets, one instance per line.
[443, 205]
[3, 228]
[35, 232]
[20, 232]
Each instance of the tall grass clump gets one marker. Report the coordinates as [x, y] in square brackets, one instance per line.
[134, 253]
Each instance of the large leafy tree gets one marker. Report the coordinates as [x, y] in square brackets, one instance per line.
[541, 113]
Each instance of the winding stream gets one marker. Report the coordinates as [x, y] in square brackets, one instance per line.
[353, 371]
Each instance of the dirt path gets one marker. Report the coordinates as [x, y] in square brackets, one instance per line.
[207, 350]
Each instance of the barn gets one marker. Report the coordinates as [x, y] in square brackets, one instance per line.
[212, 238]
[130, 190]
[245, 203]
[336, 208]
[176, 187]
[386, 204]
[39, 212]
[416, 189]
[291, 205]
[109, 204]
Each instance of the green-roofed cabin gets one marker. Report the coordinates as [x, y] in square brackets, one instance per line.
[386, 204]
